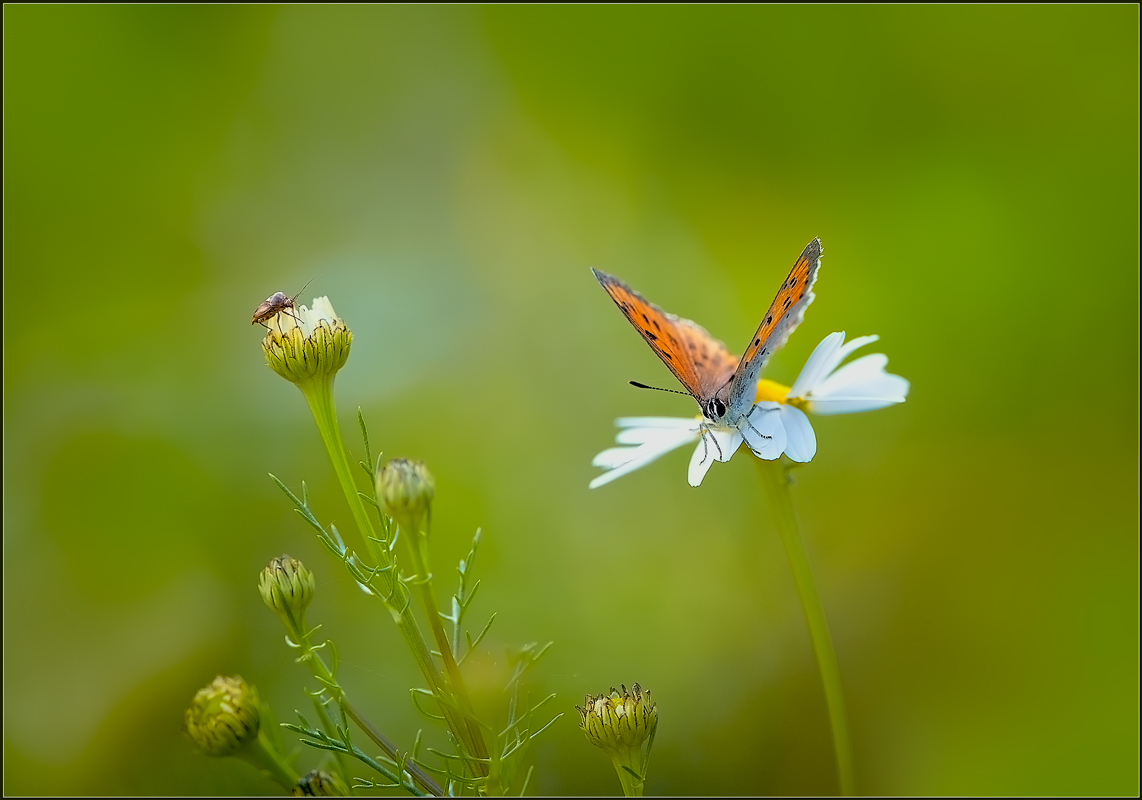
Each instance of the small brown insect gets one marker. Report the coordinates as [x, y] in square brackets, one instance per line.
[275, 304]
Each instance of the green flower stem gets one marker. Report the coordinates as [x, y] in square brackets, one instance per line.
[776, 487]
[264, 757]
[325, 676]
[380, 740]
[632, 786]
[419, 551]
[461, 728]
[330, 729]
[319, 394]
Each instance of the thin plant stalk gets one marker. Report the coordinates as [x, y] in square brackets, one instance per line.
[263, 756]
[319, 395]
[632, 785]
[418, 545]
[320, 399]
[775, 484]
[325, 676]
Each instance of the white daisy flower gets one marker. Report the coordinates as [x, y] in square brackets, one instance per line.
[777, 421]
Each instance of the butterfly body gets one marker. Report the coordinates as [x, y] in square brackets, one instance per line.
[723, 385]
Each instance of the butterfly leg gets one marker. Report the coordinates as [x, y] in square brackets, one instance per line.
[746, 420]
[705, 446]
[721, 456]
[706, 437]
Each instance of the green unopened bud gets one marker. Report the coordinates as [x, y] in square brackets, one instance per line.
[287, 587]
[307, 344]
[318, 783]
[623, 725]
[224, 717]
[405, 489]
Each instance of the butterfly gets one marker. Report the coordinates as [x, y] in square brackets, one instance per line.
[723, 386]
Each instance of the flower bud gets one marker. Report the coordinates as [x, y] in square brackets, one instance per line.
[308, 344]
[613, 721]
[623, 725]
[405, 489]
[223, 717]
[287, 587]
[318, 783]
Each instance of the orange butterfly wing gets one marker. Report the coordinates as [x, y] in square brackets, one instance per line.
[697, 359]
[784, 314]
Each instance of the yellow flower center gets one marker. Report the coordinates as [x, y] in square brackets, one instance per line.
[776, 393]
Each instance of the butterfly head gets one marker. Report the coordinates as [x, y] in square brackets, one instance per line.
[714, 409]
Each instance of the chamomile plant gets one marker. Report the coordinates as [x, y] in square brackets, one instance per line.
[308, 346]
[739, 407]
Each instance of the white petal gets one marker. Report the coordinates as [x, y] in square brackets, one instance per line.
[658, 422]
[323, 309]
[801, 444]
[310, 318]
[852, 375]
[617, 472]
[700, 462]
[861, 385]
[828, 355]
[649, 435]
[893, 385]
[606, 477]
[727, 443]
[763, 431]
[640, 458]
[672, 441]
[614, 457]
[851, 405]
[716, 445]
[855, 344]
[883, 386]
[621, 460]
[819, 365]
[638, 435]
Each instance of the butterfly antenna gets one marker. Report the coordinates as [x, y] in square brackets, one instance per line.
[638, 385]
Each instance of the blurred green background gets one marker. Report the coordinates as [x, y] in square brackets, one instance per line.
[446, 176]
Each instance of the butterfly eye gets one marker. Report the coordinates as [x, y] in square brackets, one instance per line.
[715, 409]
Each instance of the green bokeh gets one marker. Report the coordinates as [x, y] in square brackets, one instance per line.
[447, 175]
